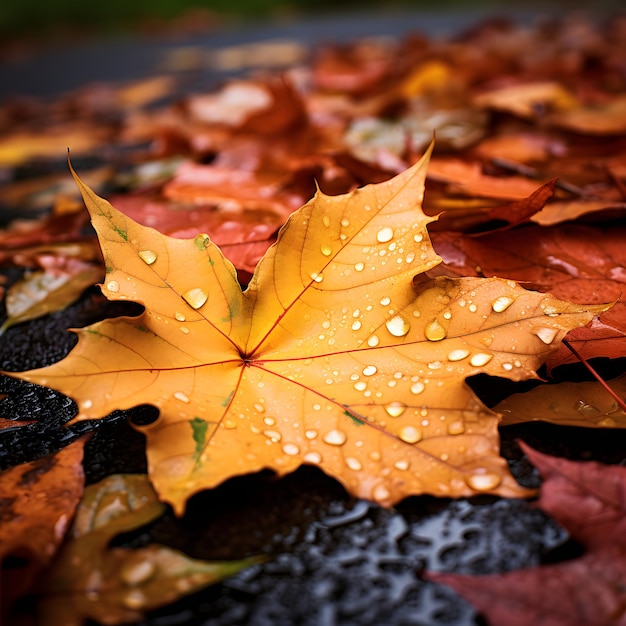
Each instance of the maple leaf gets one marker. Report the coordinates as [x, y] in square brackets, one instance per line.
[588, 499]
[332, 356]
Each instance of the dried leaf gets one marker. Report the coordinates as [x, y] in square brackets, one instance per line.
[117, 585]
[43, 292]
[588, 500]
[332, 356]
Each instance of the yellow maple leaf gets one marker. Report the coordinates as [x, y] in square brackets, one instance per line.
[335, 355]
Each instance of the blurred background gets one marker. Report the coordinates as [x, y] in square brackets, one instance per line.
[60, 18]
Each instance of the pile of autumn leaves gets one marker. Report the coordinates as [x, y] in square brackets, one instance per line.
[529, 172]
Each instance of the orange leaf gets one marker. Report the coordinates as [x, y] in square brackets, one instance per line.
[333, 356]
[38, 502]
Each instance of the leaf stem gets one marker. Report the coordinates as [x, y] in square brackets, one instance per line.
[595, 374]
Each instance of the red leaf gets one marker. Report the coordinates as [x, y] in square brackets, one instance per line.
[589, 500]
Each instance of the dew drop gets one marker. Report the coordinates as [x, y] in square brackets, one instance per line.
[480, 359]
[375, 455]
[356, 325]
[258, 407]
[182, 397]
[472, 308]
[458, 354]
[148, 257]
[135, 573]
[507, 366]
[310, 434]
[326, 220]
[587, 410]
[273, 435]
[417, 388]
[418, 237]
[291, 449]
[345, 222]
[318, 278]
[402, 465]
[179, 316]
[369, 370]
[395, 409]
[312, 457]
[501, 304]
[410, 434]
[195, 297]
[435, 331]
[398, 326]
[353, 464]
[359, 267]
[360, 386]
[384, 235]
[317, 407]
[269, 421]
[229, 424]
[326, 250]
[134, 600]
[547, 335]
[380, 493]
[373, 341]
[86, 404]
[113, 286]
[385, 301]
[335, 437]
[484, 481]
[456, 428]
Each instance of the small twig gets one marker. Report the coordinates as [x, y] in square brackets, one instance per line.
[595, 374]
[531, 172]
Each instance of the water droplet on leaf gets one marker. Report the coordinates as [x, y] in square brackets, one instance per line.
[480, 359]
[384, 235]
[501, 304]
[484, 481]
[395, 409]
[196, 297]
[148, 257]
[410, 434]
[335, 437]
[435, 331]
[398, 326]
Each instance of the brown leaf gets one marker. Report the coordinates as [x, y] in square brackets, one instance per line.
[588, 499]
[118, 585]
[37, 502]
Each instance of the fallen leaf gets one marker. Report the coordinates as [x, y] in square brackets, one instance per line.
[37, 503]
[467, 178]
[609, 119]
[571, 261]
[531, 100]
[41, 292]
[588, 499]
[568, 403]
[332, 356]
[89, 580]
